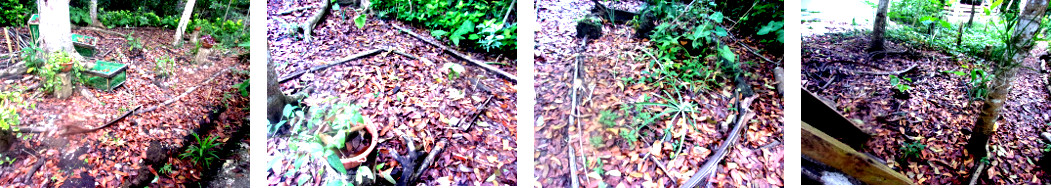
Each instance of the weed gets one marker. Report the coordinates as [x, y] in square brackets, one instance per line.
[163, 66]
[166, 169]
[243, 88]
[912, 150]
[596, 141]
[608, 118]
[203, 152]
[900, 85]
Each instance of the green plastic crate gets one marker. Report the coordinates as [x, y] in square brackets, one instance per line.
[106, 75]
[34, 26]
[85, 45]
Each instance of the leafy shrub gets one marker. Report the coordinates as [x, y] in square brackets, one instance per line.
[478, 22]
[14, 13]
[49, 71]
[164, 66]
[913, 12]
[762, 17]
[228, 33]
[688, 46]
[8, 109]
[204, 152]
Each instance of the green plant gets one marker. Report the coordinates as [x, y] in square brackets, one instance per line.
[677, 108]
[900, 85]
[596, 140]
[608, 118]
[243, 87]
[203, 152]
[912, 150]
[228, 33]
[166, 169]
[49, 71]
[14, 12]
[134, 43]
[484, 23]
[33, 56]
[164, 66]
[687, 48]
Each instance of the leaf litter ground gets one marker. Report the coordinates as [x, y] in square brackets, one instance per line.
[113, 156]
[939, 113]
[757, 161]
[405, 96]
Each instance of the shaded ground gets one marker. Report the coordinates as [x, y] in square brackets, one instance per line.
[406, 97]
[757, 161]
[939, 113]
[113, 156]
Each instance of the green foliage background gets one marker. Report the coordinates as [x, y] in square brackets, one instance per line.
[466, 23]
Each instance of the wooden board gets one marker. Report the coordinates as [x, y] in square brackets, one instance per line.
[827, 119]
[823, 148]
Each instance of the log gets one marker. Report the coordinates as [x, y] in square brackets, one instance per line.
[825, 149]
[327, 65]
[831, 121]
[485, 66]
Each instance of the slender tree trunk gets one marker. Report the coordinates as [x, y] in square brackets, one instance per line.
[183, 21]
[55, 26]
[879, 27]
[971, 20]
[1025, 30]
[94, 12]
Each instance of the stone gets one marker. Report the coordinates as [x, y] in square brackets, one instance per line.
[202, 55]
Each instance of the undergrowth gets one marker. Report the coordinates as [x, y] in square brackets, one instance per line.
[482, 25]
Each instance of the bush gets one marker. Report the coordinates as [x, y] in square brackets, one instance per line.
[479, 23]
[765, 19]
[202, 153]
[228, 33]
[14, 13]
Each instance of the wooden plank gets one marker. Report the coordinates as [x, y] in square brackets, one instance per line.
[828, 120]
[823, 148]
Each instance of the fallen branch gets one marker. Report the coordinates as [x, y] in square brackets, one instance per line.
[39, 162]
[481, 108]
[889, 72]
[661, 165]
[100, 30]
[327, 65]
[172, 100]
[708, 169]
[485, 66]
[429, 159]
[111, 122]
[977, 173]
[308, 27]
[574, 182]
[294, 10]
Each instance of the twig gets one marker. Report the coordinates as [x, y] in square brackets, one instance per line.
[481, 108]
[977, 173]
[661, 165]
[574, 182]
[485, 66]
[889, 72]
[172, 100]
[294, 10]
[429, 159]
[708, 169]
[9, 48]
[111, 122]
[749, 48]
[327, 65]
[39, 162]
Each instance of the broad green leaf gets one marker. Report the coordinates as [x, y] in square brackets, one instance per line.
[438, 33]
[717, 17]
[288, 110]
[333, 161]
[360, 21]
[770, 27]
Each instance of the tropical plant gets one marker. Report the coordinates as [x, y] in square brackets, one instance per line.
[485, 24]
[912, 150]
[203, 152]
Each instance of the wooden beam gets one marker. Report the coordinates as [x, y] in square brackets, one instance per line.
[823, 148]
[828, 120]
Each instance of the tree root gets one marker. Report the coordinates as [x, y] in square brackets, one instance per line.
[485, 66]
[308, 27]
[888, 72]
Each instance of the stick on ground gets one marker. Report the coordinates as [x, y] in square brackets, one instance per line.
[708, 169]
[327, 65]
[485, 66]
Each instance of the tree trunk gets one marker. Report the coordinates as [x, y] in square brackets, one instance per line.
[971, 20]
[55, 26]
[275, 99]
[1026, 28]
[183, 21]
[879, 27]
[94, 12]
